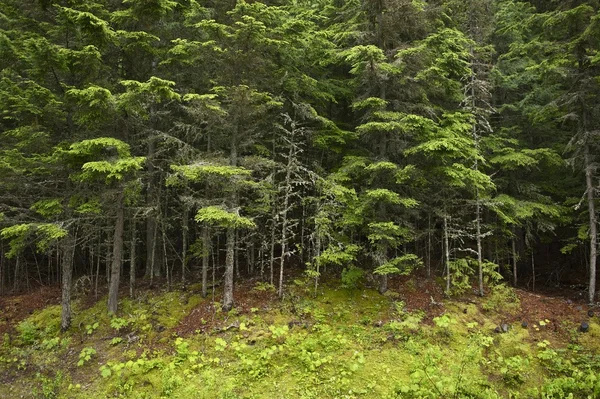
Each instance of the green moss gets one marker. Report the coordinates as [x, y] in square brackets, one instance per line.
[336, 348]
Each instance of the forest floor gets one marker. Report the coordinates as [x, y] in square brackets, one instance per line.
[411, 342]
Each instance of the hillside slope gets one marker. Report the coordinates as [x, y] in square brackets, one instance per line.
[342, 344]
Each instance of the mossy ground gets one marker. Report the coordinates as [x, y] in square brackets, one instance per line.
[342, 344]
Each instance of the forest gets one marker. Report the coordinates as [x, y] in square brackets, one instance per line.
[221, 147]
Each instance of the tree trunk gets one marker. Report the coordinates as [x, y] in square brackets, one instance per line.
[16, 277]
[169, 270]
[593, 223]
[272, 255]
[514, 257]
[132, 258]
[68, 250]
[150, 220]
[236, 256]
[184, 240]
[383, 284]
[205, 256]
[479, 247]
[2, 274]
[229, 265]
[98, 260]
[317, 260]
[117, 255]
[447, 254]
[533, 269]
[429, 246]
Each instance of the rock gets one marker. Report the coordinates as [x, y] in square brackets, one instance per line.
[293, 323]
[524, 324]
[502, 328]
[591, 313]
[585, 327]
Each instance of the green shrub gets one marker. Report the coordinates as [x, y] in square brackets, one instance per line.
[352, 277]
[28, 332]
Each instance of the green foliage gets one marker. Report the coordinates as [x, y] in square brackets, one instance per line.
[48, 208]
[352, 277]
[339, 255]
[388, 233]
[45, 234]
[263, 287]
[42, 326]
[118, 323]
[90, 328]
[86, 355]
[502, 299]
[50, 387]
[404, 264]
[203, 171]
[219, 217]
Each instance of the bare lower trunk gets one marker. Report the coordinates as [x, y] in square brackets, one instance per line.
[251, 259]
[447, 255]
[236, 257]
[169, 270]
[98, 267]
[272, 255]
[16, 276]
[229, 266]
[1, 269]
[383, 284]
[479, 248]
[151, 219]
[205, 257]
[317, 261]
[429, 246]
[153, 260]
[281, 262]
[132, 265]
[283, 245]
[514, 259]
[593, 224]
[184, 240]
[533, 269]
[116, 259]
[68, 249]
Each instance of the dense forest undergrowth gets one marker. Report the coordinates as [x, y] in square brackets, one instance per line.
[343, 343]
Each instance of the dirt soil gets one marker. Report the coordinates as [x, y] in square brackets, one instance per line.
[558, 306]
[561, 309]
[15, 308]
[203, 318]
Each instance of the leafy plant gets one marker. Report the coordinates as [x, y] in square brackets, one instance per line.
[86, 355]
[50, 387]
[118, 323]
[90, 328]
[352, 277]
